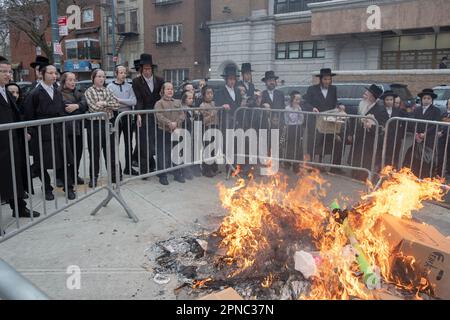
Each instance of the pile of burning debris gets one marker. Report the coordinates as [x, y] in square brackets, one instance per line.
[284, 243]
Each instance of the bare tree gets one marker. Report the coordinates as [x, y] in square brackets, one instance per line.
[32, 18]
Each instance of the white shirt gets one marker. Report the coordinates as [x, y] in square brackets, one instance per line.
[231, 92]
[50, 90]
[3, 93]
[389, 111]
[246, 84]
[270, 94]
[324, 92]
[425, 108]
[150, 83]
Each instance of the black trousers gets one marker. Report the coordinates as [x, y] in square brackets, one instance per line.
[78, 149]
[210, 168]
[96, 143]
[164, 153]
[127, 127]
[146, 149]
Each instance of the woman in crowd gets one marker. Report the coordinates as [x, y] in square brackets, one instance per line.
[74, 104]
[167, 123]
[210, 121]
[100, 99]
[46, 102]
[294, 130]
[187, 102]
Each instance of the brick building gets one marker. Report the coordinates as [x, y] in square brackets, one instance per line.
[177, 36]
[81, 47]
[297, 37]
[128, 42]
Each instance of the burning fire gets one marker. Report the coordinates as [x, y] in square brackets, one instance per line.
[264, 216]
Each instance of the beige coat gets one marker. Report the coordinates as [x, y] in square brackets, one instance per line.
[165, 118]
[210, 117]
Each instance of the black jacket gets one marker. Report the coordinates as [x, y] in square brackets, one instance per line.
[278, 99]
[9, 113]
[315, 99]
[432, 114]
[251, 88]
[146, 99]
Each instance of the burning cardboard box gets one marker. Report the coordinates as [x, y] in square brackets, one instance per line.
[227, 294]
[430, 249]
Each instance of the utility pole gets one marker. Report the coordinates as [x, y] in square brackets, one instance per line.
[55, 33]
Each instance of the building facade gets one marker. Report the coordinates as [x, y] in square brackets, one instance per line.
[127, 42]
[298, 37]
[177, 35]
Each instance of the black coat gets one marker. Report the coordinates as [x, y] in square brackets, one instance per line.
[9, 113]
[364, 139]
[250, 92]
[39, 105]
[75, 97]
[146, 99]
[315, 99]
[221, 98]
[432, 114]
[395, 133]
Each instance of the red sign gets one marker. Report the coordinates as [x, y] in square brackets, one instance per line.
[115, 59]
[62, 21]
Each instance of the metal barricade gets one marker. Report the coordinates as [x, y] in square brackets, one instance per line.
[153, 146]
[57, 145]
[324, 140]
[421, 145]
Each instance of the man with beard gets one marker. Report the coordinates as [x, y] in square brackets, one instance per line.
[363, 132]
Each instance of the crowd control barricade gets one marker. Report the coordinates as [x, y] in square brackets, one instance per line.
[49, 166]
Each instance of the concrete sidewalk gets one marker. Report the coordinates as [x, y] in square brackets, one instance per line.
[110, 249]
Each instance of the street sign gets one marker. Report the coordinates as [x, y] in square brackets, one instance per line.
[62, 21]
[63, 31]
[57, 49]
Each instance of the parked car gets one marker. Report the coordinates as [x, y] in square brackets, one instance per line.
[443, 96]
[214, 83]
[25, 86]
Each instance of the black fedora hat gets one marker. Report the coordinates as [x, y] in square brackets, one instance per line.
[389, 93]
[2, 58]
[375, 90]
[146, 59]
[269, 75]
[137, 64]
[246, 67]
[325, 72]
[427, 92]
[40, 61]
[230, 70]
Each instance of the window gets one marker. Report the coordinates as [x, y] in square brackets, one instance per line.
[285, 6]
[88, 15]
[422, 51]
[176, 76]
[169, 34]
[134, 21]
[300, 50]
[121, 20]
[109, 23]
[83, 49]
[165, 2]
[38, 22]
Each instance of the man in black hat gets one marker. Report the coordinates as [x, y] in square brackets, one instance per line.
[322, 97]
[247, 80]
[425, 136]
[147, 88]
[363, 138]
[395, 131]
[36, 65]
[9, 113]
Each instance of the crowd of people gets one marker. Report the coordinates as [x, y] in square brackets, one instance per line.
[147, 137]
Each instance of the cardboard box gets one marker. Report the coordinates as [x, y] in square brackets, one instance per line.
[427, 245]
[383, 295]
[227, 294]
